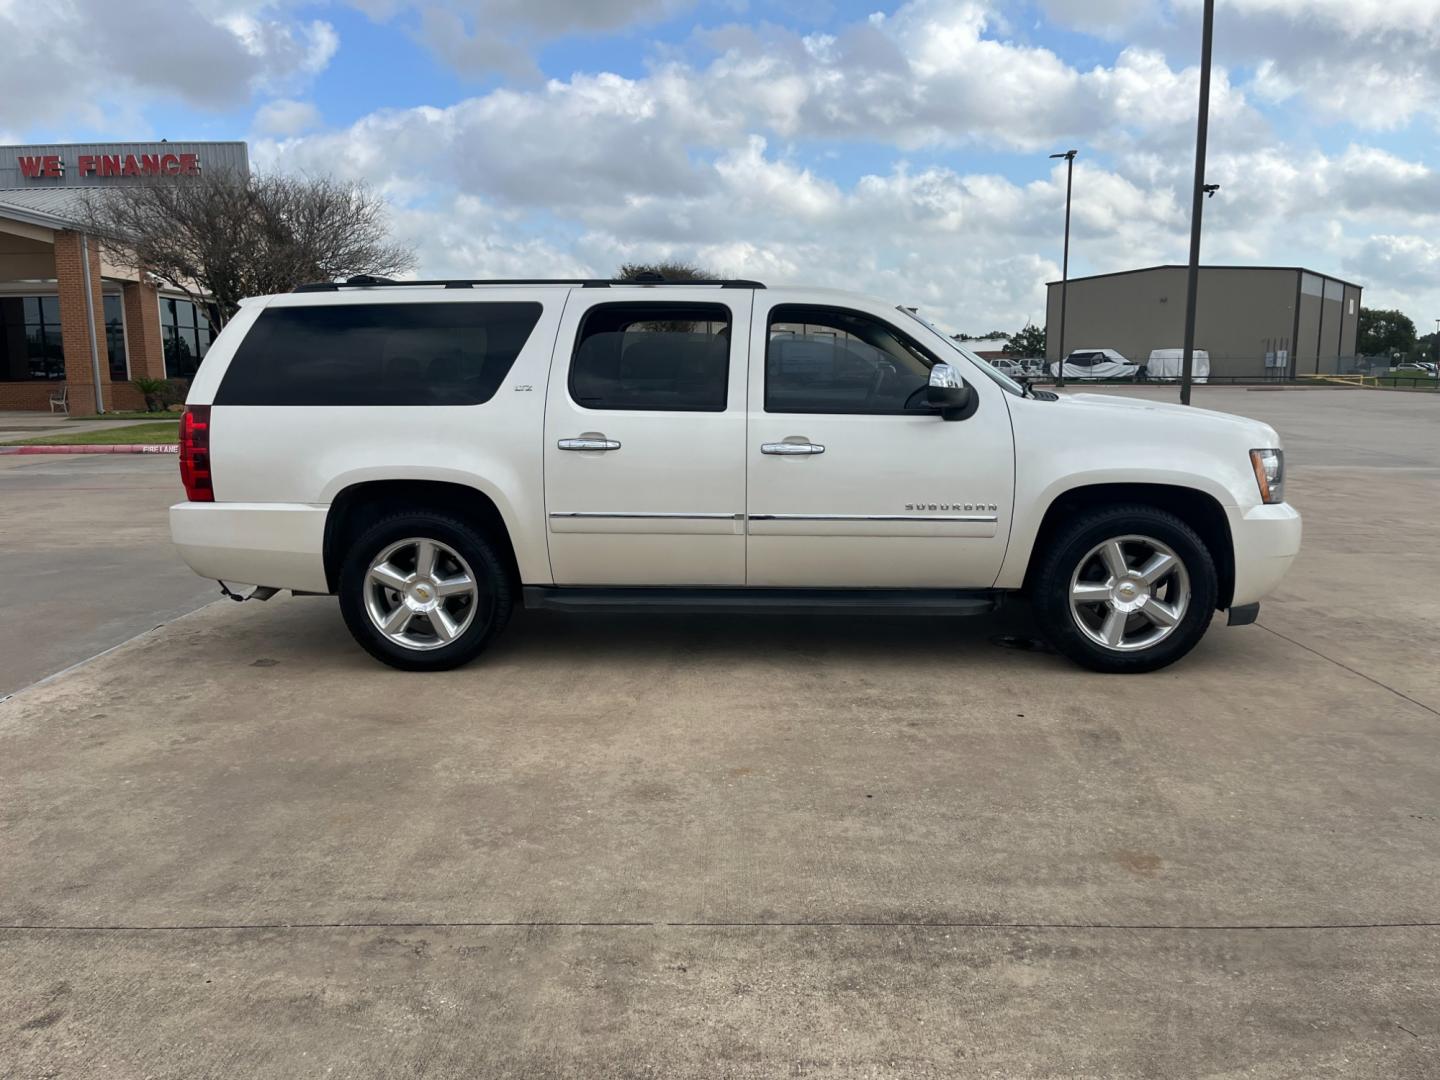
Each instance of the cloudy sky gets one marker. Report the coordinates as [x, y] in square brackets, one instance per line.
[897, 148]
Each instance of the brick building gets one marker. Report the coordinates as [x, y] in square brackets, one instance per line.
[72, 320]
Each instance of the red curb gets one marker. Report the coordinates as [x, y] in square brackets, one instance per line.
[132, 448]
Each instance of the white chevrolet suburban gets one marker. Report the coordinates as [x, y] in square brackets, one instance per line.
[436, 452]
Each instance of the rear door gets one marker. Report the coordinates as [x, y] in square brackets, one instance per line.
[853, 482]
[645, 438]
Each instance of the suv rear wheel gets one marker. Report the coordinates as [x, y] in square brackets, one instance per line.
[424, 592]
[1127, 589]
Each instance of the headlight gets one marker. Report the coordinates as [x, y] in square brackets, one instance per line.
[1269, 474]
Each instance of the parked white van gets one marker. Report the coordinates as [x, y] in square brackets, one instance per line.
[1169, 364]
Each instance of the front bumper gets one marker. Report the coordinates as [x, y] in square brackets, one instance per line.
[277, 544]
[1266, 539]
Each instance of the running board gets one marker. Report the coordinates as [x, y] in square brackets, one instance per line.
[685, 601]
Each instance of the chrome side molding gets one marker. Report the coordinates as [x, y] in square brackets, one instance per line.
[988, 519]
[644, 515]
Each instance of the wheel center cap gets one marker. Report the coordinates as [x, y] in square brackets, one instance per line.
[1128, 594]
[422, 592]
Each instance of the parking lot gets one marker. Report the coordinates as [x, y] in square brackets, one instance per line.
[761, 846]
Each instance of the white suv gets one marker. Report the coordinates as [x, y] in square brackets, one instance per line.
[437, 452]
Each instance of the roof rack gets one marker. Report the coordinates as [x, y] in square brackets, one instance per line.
[369, 281]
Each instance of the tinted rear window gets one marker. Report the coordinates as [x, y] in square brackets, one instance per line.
[378, 354]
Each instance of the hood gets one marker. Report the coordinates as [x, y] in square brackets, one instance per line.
[1262, 434]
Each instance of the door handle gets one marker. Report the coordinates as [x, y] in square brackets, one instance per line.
[791, 449]
[589, 444]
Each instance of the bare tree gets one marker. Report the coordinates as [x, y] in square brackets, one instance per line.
[669, 269]
[224, 236]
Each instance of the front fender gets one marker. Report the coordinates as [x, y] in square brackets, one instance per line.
[1060, 448]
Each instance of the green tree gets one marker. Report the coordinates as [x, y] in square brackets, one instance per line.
[980, 337]
[669, 269]
[1427, 347]
[1028, 342]
[1384, 332]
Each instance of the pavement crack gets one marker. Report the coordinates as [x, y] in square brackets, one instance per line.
[1351, 670]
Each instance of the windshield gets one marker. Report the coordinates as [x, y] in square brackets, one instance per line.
[1001, 378]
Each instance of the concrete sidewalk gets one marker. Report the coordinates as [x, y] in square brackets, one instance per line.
[34, 425]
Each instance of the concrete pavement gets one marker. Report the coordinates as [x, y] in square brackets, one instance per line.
[88, 561]
[743, 847]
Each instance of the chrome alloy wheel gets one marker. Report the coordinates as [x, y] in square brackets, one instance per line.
[1129, 593]
[421, 594]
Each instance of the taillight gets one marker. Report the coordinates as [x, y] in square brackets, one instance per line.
[195, 454]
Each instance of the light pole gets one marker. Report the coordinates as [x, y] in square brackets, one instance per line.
[1197, 203]
[1069, 156]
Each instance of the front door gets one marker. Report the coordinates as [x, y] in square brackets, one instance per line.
[645, 438]
[853, 481]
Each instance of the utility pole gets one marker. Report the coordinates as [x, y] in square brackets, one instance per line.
[1069, 156]
[1197, 204]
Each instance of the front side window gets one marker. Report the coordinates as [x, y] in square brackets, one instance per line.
[378, 354]
[833, 360]
[671, 357]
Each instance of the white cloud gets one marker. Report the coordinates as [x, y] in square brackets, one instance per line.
[1370, 63]
[116, 57]
[476, 36]
[695, 162]
[718, 152]
[284, 116]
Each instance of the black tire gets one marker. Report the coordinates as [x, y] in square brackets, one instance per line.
[1065, 550]
[493, 602]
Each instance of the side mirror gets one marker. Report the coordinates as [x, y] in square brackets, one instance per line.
[948, 393]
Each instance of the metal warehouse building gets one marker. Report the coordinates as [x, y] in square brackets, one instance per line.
[1280, 321]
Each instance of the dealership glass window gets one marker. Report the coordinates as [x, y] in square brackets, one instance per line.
[187, 336]
[30, 345]
[115, 339]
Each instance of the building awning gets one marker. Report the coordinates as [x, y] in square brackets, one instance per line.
[51, 208]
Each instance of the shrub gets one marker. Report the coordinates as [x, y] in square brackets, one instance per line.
[155, 392]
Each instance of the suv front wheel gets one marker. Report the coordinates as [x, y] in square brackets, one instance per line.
[424, 592]
[1127, 589]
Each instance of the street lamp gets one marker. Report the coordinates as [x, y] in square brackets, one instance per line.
[1069, 156]
[1197, 204]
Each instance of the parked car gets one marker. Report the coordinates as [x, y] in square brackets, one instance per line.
[1012, 368]
[1097, 364]
[1416, 370]
[436, 454]
[1170, 364]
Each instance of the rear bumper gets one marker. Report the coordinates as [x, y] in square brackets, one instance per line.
[1267, 538]
[276, 544]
